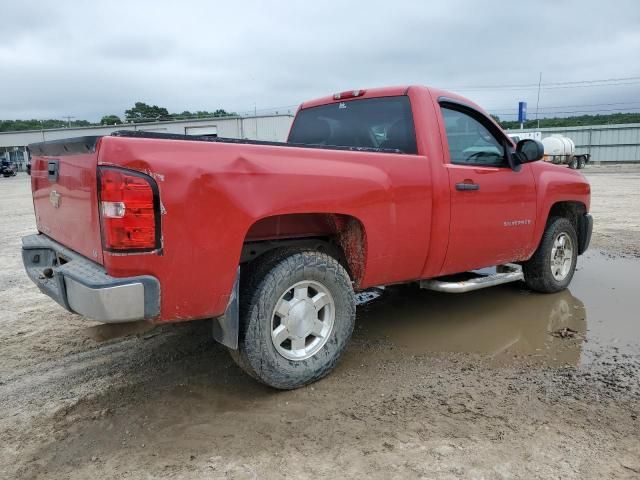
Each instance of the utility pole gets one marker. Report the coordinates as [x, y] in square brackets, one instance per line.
[538, 101]
[255, 118]
[68, 117]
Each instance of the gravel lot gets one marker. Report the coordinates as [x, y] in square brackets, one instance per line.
[432, 386]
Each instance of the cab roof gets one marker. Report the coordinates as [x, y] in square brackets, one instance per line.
[435, 93]
[367, 93]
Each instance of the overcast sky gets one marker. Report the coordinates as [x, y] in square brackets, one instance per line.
[90, 58]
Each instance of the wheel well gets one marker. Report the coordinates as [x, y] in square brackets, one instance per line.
[572, 211]
[341, 236]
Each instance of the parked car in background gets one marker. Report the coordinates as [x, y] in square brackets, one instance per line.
[7, 168]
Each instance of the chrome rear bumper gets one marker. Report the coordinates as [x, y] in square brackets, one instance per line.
[82, 286]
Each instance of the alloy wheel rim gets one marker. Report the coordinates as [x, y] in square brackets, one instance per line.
[302, 320]
[561, 256]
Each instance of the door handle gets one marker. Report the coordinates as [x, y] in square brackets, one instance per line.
[467, 186]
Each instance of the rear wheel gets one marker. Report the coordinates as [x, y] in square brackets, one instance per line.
[573, 164]
[552, 266]
[297, 319]
[582, 163]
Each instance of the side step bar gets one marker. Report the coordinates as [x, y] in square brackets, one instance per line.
[504, 274]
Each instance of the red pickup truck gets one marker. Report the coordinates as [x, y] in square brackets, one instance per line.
[271, 240]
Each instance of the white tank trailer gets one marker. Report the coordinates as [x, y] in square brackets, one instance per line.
[561, 150]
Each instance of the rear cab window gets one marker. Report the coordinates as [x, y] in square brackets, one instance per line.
[385, 122]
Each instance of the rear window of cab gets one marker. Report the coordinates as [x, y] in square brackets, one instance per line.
[384, 122]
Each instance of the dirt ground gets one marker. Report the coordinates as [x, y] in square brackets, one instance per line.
[432, 385]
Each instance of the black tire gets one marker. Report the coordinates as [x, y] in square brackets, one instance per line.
[265, 282]
[538, 271]
[250, 277]
[582, 163]
[573, 164]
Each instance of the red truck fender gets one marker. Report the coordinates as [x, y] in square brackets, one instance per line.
[561, 192]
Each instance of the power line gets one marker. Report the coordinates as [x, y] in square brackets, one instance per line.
[593, 85]
[633, 80]
[593, 81]
[596, 112]
[555, 85]
[548, 85]
[573, 106]
[543, 87]
[574, 111]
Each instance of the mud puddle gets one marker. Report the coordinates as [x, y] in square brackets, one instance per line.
[506, 325]
[597, 317]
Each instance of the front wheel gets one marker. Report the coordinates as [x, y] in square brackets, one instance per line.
[552, 266]
[574, 163]
[297, 319]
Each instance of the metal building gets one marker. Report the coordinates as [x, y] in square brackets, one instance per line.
[267, 127]
[605, 143]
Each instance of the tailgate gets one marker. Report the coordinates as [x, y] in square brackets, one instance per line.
[65, 199]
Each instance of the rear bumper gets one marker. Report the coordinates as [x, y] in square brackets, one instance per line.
[82, 286]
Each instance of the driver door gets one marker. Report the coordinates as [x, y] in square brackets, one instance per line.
[493, 208]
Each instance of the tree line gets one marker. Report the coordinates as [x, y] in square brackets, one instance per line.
[575, 121]
[139, 113]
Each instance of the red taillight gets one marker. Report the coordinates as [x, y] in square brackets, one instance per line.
[349, 94]
[128, 210]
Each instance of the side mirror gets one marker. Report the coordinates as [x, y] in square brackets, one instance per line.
[528, 150]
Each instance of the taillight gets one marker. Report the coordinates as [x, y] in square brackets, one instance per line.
[129, 208]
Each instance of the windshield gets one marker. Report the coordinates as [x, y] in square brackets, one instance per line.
[384, 122]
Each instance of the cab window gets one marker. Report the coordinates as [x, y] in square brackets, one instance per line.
[470, 142]
[385, 123]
